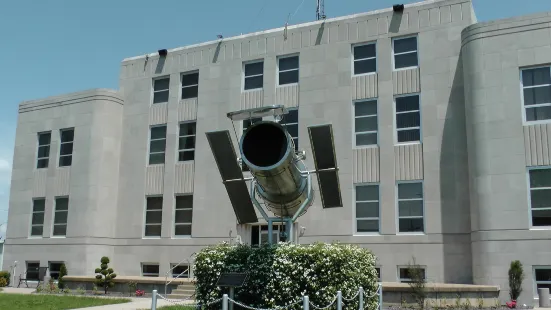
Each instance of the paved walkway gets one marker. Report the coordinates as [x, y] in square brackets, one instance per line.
[17, 290]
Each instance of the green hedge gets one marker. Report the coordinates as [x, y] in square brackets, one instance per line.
[280, 275]
[6, 275]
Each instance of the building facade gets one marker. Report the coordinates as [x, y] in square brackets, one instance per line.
[442, 130]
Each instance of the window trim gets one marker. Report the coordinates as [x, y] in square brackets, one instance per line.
[144, 221]
[354, 133]
[50, 267]
[61, 143]
[142, 264]
[178, 143]
[534, 282]
[354, 60]
[187, 86]
[355, 219]
[277, 69]
[259, 225]
[31, 219]
[173, 233]
[395, 124]
[148, 154]
[424, 267]
[38, 147]
[522, 106]
[397, 209]
[27, 262]
[153, 89]
[529, 197]
[173, 267]
[416, 35]
[53, 217]
[297, 123]
[243, 90]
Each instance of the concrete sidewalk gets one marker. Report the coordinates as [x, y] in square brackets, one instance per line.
[17, 290]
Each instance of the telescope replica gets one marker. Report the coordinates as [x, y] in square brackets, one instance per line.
[280, 179]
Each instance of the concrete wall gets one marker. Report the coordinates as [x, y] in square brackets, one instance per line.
[493, 54]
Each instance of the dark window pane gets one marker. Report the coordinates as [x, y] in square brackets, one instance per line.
[410, 190]
[184, 201]
[190, 92]
[364, 51]
[409, 135]
[365, 66]
[288, 77]
[411, 225]
[408, 103]
[186, 155]
[254, 68]
[543, 274]
[158, 132]
[187, 129]
[44, 151]
[42, 163]
[254, 82]
[405, 60]
[410, 208]
[180, 271]
[367, 226]
[291, 117]
[66, 149]
[38, 218]
[154, 203]
[536, 76]
[60, 230]
[541, 217]
[366, 139]
[538, 114]
[293, 130]
[155, 159]
[367, 209]
[543, 285]
[32, 271]
[182, 230]
[160, 97]
[65, 161]
[190, 79]
[405, 273]
[38, 205]
[154, 217]
[150, 268]
[161, 84]
[540, 198]
[186, 142]
[153, 230]
[367, 192]
[365, 108]
[62, 204]
[378, 273]
[183, 216]
[365, 124]
[60, 217]
[407, 120]
[37, 230]
[540, 178]
[288, 63]
[44, 138]
[157, 146]
[405, 45]
[67, 135]
[537, 95]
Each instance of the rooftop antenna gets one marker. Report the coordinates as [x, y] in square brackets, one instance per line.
[320, 10]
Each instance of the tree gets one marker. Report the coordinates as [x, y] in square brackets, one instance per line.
[62, 273]
[418, 283]
[105, 275]
[516, 275]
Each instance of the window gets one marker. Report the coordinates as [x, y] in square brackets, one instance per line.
[66, 147]
[32, 270]
[180, 271]
[378, 269]
[150, 270]
[157, 145]
[288, 70]
[408, 119]
[542, 276]
[259, 234]
[55, 268]
[183, 215]
[186, 143]
[410, 207]
[161, 89]
[43, 155]
[290, 122]
[190, 85]
[60, 216]
[536, 87]
[365, 122]
[254, 75]
[365, 59]
[153, 216]
[540, 196]
[367, 208]
[37, 221]
[405, 53]
[406, 274]
[246, 124]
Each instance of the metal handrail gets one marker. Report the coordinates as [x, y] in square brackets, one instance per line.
[187, 270]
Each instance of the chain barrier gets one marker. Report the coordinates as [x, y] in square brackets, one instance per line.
[326, 307]
[352, 298]
[252, 308]
[183, 301]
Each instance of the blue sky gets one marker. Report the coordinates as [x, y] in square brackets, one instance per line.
[59, 46]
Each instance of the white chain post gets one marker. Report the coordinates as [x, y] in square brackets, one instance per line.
[225, 302]
[305, 302]
[380, 296]
[361, 297]
[339, 300]
[154, 300]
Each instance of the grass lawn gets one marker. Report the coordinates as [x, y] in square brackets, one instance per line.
[51, 302]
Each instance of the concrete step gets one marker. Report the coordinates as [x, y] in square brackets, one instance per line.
[183, 292]
[186, 287]
[178, 296]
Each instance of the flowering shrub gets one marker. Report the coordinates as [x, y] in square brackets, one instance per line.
[281, 274]
[140, 293]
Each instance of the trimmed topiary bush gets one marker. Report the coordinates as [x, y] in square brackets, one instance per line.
[62, 273]
[281, 274]
[105, 275]
[516, 276]
[6, 275]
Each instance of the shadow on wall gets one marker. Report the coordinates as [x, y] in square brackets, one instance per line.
[454, 186]
[395, 22]
[160, 65]
[320, 33]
